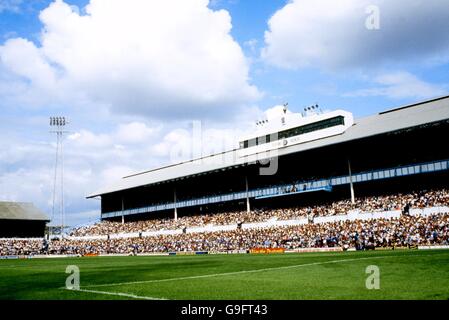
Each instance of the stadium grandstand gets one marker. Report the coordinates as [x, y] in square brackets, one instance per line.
[21, 220]
[398, 150]
[310, 180]
[380, 224]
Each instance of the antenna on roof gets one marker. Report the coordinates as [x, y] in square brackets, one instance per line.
[285, 107]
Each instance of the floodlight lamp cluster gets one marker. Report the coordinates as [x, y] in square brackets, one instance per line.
[58, 121]
[311, 108]
[261, 122]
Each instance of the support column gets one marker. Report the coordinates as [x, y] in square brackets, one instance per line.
[176, 209]
[351, 185]
[123, 213]
[248, 206]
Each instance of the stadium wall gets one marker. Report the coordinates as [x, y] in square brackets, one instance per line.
[253, 251]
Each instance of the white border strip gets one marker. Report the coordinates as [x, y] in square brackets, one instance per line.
[120, 294]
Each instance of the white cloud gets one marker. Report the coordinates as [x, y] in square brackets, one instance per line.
[88, 139]
[196, 140]
[10, 5]
[136, 132]
[275, 112]
[91, 160]
[22, 58]
[13, 188]
[251, 45]
[400, 85]
[97, 157]
[157, 58]
[332, 34]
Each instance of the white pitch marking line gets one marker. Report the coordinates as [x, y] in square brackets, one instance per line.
[233, 273]
[120, 294]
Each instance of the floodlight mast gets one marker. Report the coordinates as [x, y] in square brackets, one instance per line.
[58, 125]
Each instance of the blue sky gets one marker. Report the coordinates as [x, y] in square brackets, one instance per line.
[132, 76]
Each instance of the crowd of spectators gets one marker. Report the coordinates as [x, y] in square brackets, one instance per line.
[404, 231]
[367, 204]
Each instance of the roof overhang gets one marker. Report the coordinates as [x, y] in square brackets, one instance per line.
[415, 115]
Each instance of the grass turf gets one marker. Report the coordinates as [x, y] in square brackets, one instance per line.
[404, 274]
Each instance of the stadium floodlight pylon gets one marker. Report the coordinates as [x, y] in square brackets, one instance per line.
[58, 125]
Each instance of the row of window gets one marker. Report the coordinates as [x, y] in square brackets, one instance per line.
[378, 174]
[319, 125]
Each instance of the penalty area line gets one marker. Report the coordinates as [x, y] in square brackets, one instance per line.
[119, 294]
[232, 273]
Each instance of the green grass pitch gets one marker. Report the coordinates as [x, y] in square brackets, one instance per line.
[404, 274]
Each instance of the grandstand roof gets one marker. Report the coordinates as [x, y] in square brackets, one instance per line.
[404, 117]
[20, 211]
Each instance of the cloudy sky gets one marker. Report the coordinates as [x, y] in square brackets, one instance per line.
[135, 77]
